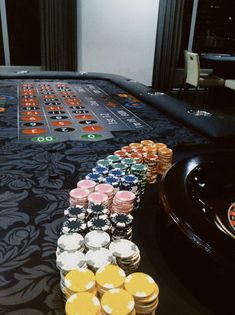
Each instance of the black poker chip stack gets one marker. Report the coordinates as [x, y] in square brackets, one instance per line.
[121, 226]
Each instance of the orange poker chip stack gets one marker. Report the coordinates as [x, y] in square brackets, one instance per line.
[165, 160]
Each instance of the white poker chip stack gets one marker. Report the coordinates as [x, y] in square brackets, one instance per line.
[70, 243]
[127, 254]
[67, 261]
[97, 258]
[96, 240]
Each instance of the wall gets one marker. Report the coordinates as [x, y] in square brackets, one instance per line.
[117, 36]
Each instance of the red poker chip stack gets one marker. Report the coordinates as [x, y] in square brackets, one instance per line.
[108, 190]
[127, 149]
[123, 202]
[87, 184]
[120, 153]
[138, 157]
[79, 197]
[98, 198]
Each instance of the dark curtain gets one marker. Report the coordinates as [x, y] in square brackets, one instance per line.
[168, 42]
[58, 35]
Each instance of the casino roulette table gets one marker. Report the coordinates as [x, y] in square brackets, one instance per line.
[53, 129]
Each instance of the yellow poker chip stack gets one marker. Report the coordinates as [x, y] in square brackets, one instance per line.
[117, 302]
[145, 292]
[79, 280]
[109, 277]
[83, 303]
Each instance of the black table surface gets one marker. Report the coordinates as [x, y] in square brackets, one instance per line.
[32, 205]
[222, 65]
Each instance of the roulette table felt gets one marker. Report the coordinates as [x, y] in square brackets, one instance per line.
[53, 129]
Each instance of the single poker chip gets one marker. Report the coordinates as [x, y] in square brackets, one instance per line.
[99, 223]
[117, 301]
[100, 170]
[96, 239]
[95, 210]
[79, 280]
[75, 212]
[110, 277]
[67, 261]
[87, 184]
[127, 149]
[70, 242]
[73, 225]
[117, 172]
[82, 303]
[97, 258]
[140, 285]
[129, 179]
[123, 248]
[96, 177]
[121, 220]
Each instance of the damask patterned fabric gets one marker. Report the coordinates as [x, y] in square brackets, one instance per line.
[32, 203]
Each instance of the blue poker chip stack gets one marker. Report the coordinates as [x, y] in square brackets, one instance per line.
[112, 180]
[117, 172]
[96, 177]
[130, 183]
[101, 170]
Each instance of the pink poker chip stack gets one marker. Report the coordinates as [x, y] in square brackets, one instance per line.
[98, 198]
[123, 201]
[87, 184]
[108, 190]
[79, 197]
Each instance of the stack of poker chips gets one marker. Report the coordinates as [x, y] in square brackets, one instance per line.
[123, 202]
[126, 253]
[117, 301]
[97, 258]
[96, 210]
[121, 226]
[79, 280]
[87, 184]
[77, 212]
[109, 277]
[83, 303]
[70, 243]
[140, 171]
[96, 177]
[108, 190]
[74, 225]
[151, 160]
[121, 153]
[145, 292]
[101, 223]
[114, 181]
[98, 198]
[128, 162]
[96, 239]
[67, 261]
[78, 197]
[165, 160]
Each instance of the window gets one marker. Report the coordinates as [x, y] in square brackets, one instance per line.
[23, 19]
[215, 27]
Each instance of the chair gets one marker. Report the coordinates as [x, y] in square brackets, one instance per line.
[230, 84]
[194, 77]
